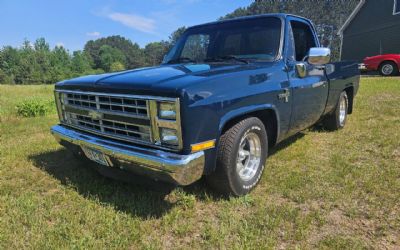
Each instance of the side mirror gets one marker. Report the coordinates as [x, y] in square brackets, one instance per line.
[319, 56]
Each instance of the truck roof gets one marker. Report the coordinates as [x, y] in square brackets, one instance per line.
[279, 15]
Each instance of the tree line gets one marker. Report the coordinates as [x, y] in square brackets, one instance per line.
[37, 63]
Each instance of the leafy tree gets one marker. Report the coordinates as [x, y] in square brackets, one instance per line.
[110, 55]
[5, 78]
[41, 45]
[154, 52]
[80, 63]
[9, 61]
[134, 56]
[26, 70]
[117, 66]
[60, 65]
[173, 38]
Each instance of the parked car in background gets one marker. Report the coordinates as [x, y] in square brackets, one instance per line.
[226, 93]
[386, 65]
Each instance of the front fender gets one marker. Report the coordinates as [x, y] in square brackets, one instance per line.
[243, 111]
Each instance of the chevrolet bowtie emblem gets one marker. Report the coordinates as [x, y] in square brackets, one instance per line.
[95, 115]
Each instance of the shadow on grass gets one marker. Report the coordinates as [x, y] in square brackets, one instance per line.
[132, 194]
[285, 143]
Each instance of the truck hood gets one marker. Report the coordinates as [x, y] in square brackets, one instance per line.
[160, 80]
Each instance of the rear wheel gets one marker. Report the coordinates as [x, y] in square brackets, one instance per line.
[241, 155]
[388, 69]
[337, 119]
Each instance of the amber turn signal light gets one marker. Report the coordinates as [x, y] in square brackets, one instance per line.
[203, 145]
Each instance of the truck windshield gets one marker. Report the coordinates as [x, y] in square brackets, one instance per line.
[238, 41]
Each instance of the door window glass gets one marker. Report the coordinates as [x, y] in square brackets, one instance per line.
[396, 8]
[303, 39]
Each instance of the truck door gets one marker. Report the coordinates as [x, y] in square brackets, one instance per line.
[310, 92]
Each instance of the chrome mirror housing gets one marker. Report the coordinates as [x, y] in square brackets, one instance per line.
[319, 56]
[301, 70]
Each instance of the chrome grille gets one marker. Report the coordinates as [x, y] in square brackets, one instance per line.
[130, 118]
[130, 106]
[116, 116]
[116, 129]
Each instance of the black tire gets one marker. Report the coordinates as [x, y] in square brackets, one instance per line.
[226, 179]
[388, 69]
[333, 120]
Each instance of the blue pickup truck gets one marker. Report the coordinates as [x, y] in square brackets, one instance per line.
[226, 93]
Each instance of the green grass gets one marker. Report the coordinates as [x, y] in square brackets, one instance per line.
[319, 190]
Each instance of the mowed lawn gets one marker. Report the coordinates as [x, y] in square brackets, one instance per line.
[319, 190]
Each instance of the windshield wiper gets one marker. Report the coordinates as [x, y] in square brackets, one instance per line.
[225, 58]
[181, 59]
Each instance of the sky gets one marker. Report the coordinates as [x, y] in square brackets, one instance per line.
[71, 23]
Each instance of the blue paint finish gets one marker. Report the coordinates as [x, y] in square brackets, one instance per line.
[212, 94]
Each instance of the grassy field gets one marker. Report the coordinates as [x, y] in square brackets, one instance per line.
[319, 190]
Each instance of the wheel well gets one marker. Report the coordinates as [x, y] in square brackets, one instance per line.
[267, 116]
[350, 96]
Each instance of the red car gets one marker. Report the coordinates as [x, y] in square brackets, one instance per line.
[386, 65]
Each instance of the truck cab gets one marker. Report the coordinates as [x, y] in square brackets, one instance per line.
[225, 94]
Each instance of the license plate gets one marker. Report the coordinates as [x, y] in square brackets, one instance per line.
[95, 156]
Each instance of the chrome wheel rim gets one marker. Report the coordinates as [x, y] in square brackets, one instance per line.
[387, 69]
[342, 110]
[249, 156]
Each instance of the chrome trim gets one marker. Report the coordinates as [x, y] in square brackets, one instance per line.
[157, 123]
[301, 69]
[104, 111]
[279, 54]
[144, 143]
[153, 122]
[143, 97]
[57, 97]
[342, 110]
[152, 107]
[319, 56]
[248, 158]
[93, 102]
[106, 125]
[173, 167]
[362, 66]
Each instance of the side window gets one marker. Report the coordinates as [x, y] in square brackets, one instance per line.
[303, 39]
[396, 8]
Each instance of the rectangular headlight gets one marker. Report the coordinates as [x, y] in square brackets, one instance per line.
[167, 110]
[169, 136]
[166, 123]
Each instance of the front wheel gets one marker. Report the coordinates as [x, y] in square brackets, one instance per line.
[388, 69]
[337, 119]
[241, 155]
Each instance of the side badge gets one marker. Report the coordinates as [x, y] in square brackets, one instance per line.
[285, 95]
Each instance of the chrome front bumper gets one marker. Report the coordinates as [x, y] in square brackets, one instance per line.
[157, 164]
[362, 67]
